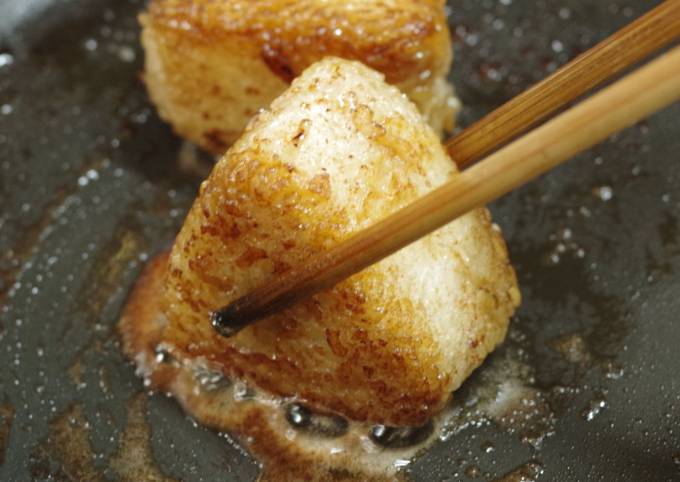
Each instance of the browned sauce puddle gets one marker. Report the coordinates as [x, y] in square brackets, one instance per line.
[6, 419]
[68, 443]
[567, 360]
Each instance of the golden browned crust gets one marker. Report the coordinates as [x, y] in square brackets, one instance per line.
[211, 65]
[385, 346]
[400, 39]
[144, 304]
[260, 425]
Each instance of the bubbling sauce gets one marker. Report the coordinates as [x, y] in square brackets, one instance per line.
[292, 441]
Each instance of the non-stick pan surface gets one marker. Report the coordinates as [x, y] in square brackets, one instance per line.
[90, 189]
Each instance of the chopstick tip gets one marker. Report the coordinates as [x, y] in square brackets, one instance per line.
[227, 321]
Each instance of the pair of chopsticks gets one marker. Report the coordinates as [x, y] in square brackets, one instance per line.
[635, 97]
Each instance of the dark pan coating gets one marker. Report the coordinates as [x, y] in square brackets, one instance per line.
[87, 196]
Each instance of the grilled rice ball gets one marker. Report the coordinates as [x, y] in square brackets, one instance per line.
[213, 64]
[337, 152]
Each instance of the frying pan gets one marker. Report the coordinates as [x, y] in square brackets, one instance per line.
[90, 189]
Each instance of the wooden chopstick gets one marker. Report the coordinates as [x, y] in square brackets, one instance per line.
[629, 45]
[631, 99]
[626, 47]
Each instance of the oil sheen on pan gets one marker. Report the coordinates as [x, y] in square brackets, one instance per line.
[584, 386]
